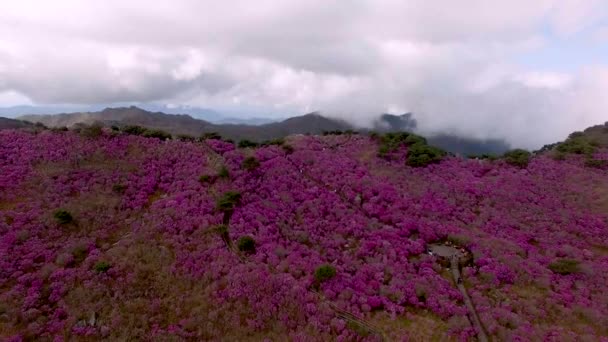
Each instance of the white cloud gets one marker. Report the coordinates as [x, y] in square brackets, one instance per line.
[453, 64]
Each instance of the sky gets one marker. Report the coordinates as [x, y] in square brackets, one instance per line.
[526, 71]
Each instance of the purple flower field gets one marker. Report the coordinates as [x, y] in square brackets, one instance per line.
[117, 237]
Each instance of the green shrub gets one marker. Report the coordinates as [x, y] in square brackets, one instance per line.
[246, 244]
[420, 155]
[223, 172]
[119, 188]
[115, 128]
[92, 131]
[275, 142]
[324, 273]
[205, 179]
[228, 201]
[565, 266]
[60, 129]
[414, 139]
[157, 133]
[247, 143]
[250, 163]
[288, 149]
[63, 217]
[102, 266]
[392, 140]
[517, 157]
[596, 163]
[134, 130]
[211, 135]
[577, 145]
[185, 137]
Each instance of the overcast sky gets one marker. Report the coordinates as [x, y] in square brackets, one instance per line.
[527, 71]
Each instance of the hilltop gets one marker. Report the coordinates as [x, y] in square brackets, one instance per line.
[106, 234]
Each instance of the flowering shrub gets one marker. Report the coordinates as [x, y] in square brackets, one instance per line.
[149, 258]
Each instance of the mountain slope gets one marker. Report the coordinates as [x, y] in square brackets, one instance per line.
[6, 123]
[121, 237]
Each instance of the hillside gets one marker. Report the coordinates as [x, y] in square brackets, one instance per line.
[122, 237]
[6, 123]
[312, 123]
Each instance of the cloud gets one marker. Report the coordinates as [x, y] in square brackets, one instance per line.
[455, 66]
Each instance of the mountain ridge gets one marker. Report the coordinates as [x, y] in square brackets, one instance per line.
[312, 123]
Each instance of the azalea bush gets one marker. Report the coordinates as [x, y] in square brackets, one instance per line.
[323, 230]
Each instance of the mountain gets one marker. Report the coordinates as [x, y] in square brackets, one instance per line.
[322, 239]
[6, 123]
[312, 123]
[395, 123]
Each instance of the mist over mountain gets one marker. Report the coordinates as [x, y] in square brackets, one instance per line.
[312, 123]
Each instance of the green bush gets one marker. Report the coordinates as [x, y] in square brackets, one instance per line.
[223, 172]
[63, 217]
[102, 266]
[211, 135]
[92, 131]
[185, 137]
[565, 266]
[414, 139]
[134, 130]
[576, 144]
[157, 133]
[250, 163]
[205, 179]
[324, 273]
[596, 163]
[392, 140]
[517, 157]
[420, 155]
[119, 188]
[228, 201]
[246, 244]
[288, 149]
[275, 142]
[247, 143]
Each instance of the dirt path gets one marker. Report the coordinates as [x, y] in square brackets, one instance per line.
[455, 256]
[481, 334]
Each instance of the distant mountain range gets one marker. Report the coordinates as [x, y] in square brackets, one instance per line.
[196, 112]
[312, 123]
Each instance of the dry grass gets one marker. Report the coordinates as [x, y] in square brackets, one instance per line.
[417, 326]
